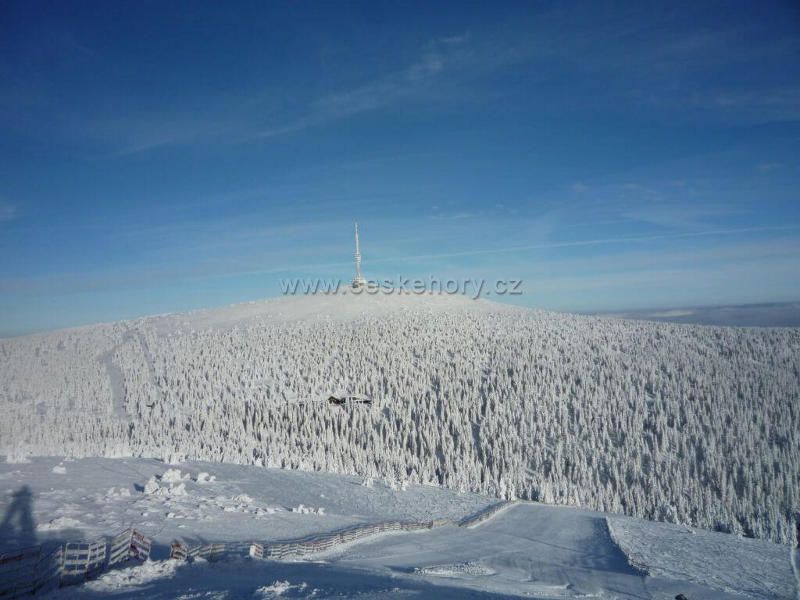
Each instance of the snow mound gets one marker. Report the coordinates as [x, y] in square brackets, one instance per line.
[268, 510]
[277, 589]
[455, 570]
[204, 477]
[119, 581]
[17, 456]
[60, 523]
[173, 476]
[307, 510]
[154, 488]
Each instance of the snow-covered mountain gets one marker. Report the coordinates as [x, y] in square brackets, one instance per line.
[668, 422]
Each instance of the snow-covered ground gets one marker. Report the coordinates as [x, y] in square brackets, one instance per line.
[561, 552]
[527, 550]
[86, 498]
[752, 567]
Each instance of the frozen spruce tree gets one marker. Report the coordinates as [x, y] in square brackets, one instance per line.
[693, 425]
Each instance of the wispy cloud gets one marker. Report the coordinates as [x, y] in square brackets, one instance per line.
[618, 240]
[262, 113]
[141, 134]
[614, 58]
[676, 215]
[775, 103]
[7, 212]
[409, 84]
[650, 59]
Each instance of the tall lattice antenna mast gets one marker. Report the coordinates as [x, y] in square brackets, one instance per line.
[358, 280]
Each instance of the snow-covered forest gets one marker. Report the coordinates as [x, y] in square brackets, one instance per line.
[668, 422]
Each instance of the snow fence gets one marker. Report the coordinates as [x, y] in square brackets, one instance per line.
[32, 570]
[324, 542]
[483, 515]
[298, 547]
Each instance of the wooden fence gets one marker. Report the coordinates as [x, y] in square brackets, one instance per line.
[297, 547]
[314, 544]
[29, 570]
[483, 515]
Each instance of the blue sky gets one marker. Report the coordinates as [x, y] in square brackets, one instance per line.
[165, 156]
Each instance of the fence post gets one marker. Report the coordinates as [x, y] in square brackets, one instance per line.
[96, 558]
[256, 550]
[119, 548]
[140, 546]
[178, 550]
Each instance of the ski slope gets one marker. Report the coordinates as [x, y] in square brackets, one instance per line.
[560, 552]
[526, 550]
